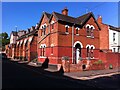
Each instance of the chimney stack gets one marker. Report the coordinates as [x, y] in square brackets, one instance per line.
[99, 20]
[65, 11]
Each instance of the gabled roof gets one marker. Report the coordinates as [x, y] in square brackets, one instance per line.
[62, 17]
[14, 33]
[81, 20]
[28, 34]
[47, 15]
[114, 28]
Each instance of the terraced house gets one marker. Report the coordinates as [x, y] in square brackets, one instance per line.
[23, 44]
[76, 43]
[26, 46]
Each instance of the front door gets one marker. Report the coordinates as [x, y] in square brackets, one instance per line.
[77, 54]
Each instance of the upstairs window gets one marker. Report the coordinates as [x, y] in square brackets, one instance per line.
[44, 30]
[77, 29]
[89, 30]
[52, 24]
[114, 37]
[66, 27]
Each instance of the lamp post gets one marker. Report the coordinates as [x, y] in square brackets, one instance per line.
[16, 28]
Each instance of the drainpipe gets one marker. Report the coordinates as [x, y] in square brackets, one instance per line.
[73, 43]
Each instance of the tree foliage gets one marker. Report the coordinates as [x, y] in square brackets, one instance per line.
[4, 39]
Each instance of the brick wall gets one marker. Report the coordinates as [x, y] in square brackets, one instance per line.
[110, 59]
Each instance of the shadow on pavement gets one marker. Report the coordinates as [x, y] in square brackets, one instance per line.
[17, 75]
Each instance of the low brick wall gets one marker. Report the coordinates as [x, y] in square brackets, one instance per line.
[88, 65]
[97, 67]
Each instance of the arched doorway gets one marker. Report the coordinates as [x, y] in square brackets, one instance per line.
[77, 52]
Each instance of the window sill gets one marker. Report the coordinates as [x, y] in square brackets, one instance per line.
[42, 57]
[77, 34]
[90, 58]
[90, 36]
[66, 32]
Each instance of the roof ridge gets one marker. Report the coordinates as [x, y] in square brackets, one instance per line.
[64, 15]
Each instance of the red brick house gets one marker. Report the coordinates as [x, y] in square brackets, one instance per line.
[61, 35]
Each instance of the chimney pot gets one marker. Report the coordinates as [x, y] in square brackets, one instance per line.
[65, 11]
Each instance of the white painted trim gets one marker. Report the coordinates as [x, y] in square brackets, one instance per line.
[51, 53]
[42, 57]
[93, 46]
[88, 25]
[52, 45]
[52, 22]
[42, 26]
[30, 39]
[21, 42]
[88, 45]
[77, 34]
[77, 28]
[17, 42]
[92, 26]
[25, 41]
[42, 45]
[45, 24]
[79, 43]
[66, 32]
[66, 26]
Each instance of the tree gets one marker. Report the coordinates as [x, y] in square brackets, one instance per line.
[4, 40]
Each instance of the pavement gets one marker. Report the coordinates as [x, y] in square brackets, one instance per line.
[86, 75]
[82, 75]
[90, 74]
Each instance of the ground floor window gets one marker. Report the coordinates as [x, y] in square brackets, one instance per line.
[42, 50]
[118, 49]
[90, 51]
[113, 49]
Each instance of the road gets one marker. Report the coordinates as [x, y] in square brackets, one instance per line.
[16, 75]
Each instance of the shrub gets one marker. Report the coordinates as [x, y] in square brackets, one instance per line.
[65, 58]
[35, 60]
[110, 66]
[98, 62]
[80, 58]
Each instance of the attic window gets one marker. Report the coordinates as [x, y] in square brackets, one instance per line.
[66, 26]
[89, 30]
[44, 29]
[77, 29]
[52, 24]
